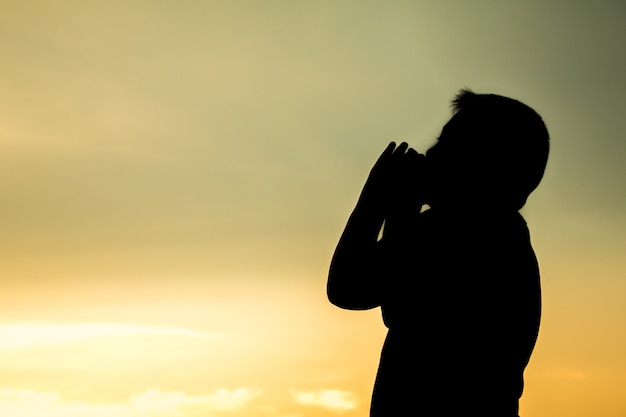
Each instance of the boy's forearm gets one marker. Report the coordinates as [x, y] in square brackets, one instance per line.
[351, 279]
[366, 219]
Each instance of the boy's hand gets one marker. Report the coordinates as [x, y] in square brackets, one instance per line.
[377, 185]
[395, 180]
[408, 183]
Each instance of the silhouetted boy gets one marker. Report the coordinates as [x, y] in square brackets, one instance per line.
[458, 284]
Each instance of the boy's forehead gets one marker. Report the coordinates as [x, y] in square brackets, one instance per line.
[464, 122]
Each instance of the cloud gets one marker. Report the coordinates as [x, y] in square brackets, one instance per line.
[18, 335]
[151, 403]
[27, 403]
[332, 399]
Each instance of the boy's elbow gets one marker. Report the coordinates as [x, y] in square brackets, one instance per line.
[339, 299]
[350, 298]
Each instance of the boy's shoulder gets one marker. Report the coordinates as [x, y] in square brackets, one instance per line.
[472, 216]
[483, 224]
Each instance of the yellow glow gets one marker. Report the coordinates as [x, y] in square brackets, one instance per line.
[29, 334]
[151, 403]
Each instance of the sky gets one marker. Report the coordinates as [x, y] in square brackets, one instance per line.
[175, 176]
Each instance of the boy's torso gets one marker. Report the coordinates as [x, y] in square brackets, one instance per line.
[462, 302]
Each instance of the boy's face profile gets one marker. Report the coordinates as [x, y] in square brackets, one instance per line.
[492, 152]
[451, 165]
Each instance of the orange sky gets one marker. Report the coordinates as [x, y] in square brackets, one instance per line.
[175, 176]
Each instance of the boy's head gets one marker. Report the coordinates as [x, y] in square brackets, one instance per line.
[492, 151]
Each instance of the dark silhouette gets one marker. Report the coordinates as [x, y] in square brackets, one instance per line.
[458, 284]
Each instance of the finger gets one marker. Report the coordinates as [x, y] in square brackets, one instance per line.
[398, 154]
[385, 155]
[389, 149]
[401, 149]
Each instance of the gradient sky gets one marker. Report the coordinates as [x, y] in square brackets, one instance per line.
[175, 176]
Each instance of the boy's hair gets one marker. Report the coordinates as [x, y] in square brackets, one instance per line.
[511, 139]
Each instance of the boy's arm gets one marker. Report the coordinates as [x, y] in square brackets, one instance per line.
[356, 261]
[359, 260]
